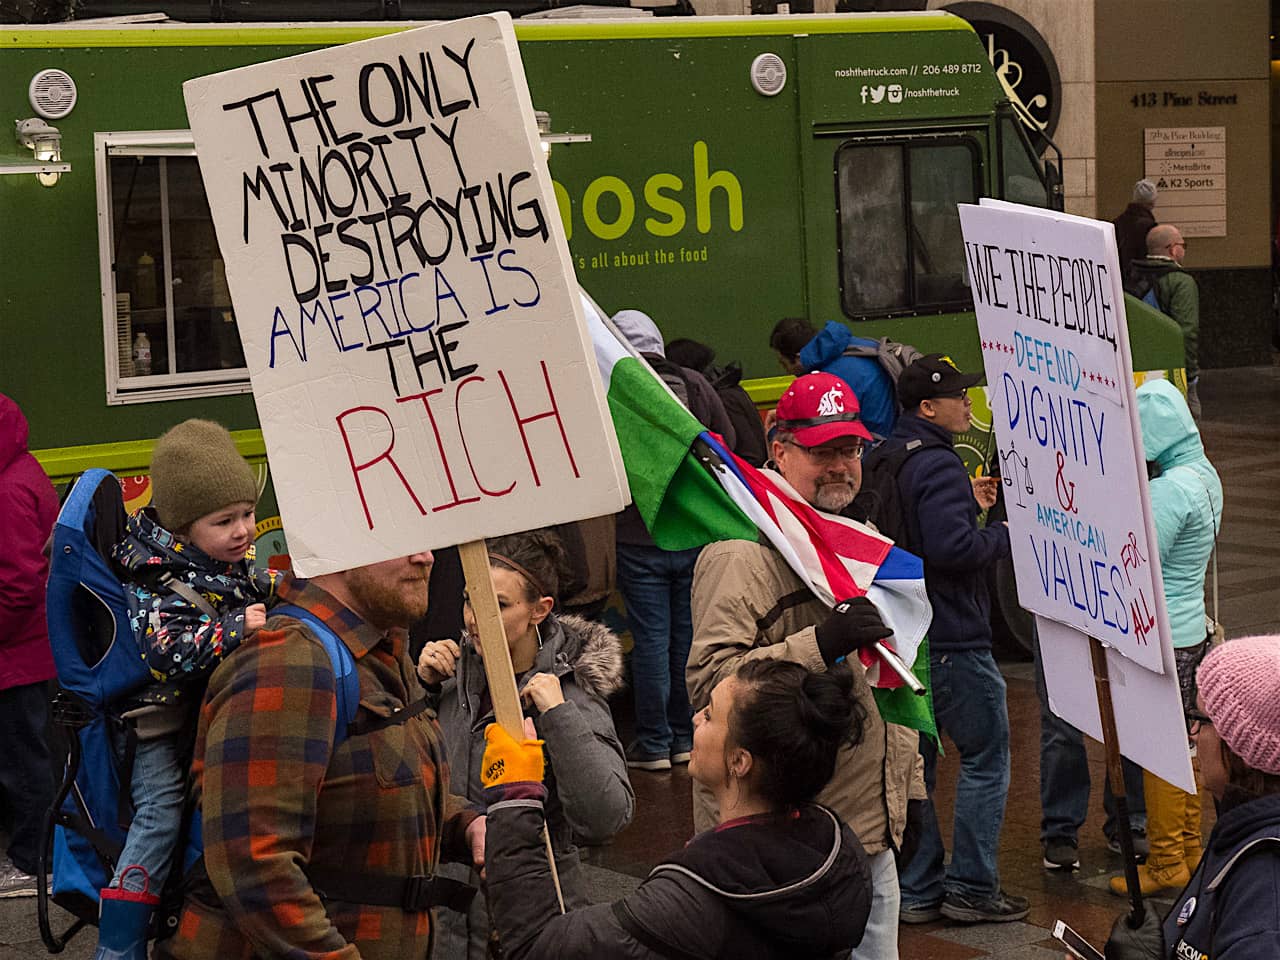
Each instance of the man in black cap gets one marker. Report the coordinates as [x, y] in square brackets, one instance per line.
[939, 522]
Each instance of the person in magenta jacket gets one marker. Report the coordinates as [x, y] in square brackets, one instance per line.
[28, 508]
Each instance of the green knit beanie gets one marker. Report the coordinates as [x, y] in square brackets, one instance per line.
[196, 470]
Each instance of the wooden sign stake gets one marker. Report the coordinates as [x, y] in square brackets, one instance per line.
[1115, 771]
[497, 660]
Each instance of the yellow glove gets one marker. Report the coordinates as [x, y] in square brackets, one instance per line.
[507, 760]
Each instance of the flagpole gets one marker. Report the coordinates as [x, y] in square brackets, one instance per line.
[899, 666]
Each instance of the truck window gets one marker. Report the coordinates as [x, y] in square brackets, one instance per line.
[900, 243]
[170, 329]
[1019, 171]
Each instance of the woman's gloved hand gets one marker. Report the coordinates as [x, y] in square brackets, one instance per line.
[511, 769]
[853, 623]
[1144, 942]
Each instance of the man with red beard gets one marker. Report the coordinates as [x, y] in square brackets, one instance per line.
[748, 604]
[312, 850]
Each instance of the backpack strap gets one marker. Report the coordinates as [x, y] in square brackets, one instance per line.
[189, 594]
[346, 681]
[793, 599]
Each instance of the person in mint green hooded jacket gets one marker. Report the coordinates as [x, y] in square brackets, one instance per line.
[1186, 499]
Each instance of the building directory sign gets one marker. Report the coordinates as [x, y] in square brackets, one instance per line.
[1188, 165]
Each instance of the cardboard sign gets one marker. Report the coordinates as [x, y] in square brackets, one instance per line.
[1148, 706]
[1050, 307]
[404, 293]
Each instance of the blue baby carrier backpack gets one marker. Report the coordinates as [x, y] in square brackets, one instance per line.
[101, 672]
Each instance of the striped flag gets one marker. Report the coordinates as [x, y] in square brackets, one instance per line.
[691, 490]
[837, 558]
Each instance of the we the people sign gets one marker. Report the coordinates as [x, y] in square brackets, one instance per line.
[404, 293]
[1055, 346]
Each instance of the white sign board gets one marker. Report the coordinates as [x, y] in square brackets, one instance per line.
[1188, 165]
[1050, 308]
[404, 294]
[1148, 706]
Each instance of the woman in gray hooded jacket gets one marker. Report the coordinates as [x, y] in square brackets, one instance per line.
[566, 668]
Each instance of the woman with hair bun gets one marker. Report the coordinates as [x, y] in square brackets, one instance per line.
[566, 668]
[779, 876]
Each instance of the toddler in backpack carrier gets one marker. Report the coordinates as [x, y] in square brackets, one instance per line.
[193, 597]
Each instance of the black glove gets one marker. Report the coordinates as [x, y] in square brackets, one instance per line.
[854, 623]
[1144, 943]
[911, 833]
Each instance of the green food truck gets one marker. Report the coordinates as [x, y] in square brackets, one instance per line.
[717, 173]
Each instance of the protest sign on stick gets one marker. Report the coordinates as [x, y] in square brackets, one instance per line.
[407, 305]
[404, 294]
[1051, 319]
[1055, 344]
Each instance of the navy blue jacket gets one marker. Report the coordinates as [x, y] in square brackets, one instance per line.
[942, 525]
[1246, 901]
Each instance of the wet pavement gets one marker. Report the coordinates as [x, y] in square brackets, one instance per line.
[1241, 430]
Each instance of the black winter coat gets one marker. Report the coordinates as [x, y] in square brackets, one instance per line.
[781, 886]
[1232, 914]
[1132, 227]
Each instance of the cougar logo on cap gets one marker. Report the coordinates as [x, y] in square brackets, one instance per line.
[831, 402]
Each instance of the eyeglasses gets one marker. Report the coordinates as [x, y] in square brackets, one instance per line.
[1196, 720]
[830, 455]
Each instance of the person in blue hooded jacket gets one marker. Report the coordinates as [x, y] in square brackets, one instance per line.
[1186, 499]
[801, 350]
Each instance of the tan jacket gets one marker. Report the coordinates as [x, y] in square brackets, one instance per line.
[748, 604]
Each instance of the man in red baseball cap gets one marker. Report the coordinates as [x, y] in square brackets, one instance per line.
[748, 603]
[818, 439]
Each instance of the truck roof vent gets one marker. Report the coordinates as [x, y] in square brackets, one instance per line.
[52, 94]
[768, 74]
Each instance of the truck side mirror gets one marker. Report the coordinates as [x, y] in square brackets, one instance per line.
[1053, 186]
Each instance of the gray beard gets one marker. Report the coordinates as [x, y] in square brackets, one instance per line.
[834, 497]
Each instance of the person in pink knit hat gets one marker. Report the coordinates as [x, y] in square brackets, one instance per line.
[1231, 908]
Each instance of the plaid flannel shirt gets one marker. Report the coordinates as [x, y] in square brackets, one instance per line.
[277, 797]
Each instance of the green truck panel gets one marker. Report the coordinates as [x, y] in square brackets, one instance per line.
[701, 201]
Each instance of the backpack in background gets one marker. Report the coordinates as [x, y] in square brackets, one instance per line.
[672, 375]
[750, 443]
[893, 357]
[879, 500]
[1143, 286]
